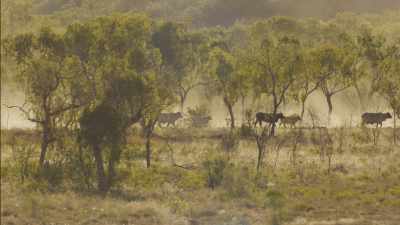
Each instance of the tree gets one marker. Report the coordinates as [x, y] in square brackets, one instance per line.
[335, 67]
[128, 85]
[44, 75]
[372, 52]
[99, 135]
[225, 80]
[389, 84]
[182, 57]
[307, 83]
[274, 67]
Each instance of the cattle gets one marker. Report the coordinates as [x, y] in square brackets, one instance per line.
[375, 118]
[267, 117]
[290, 120]
[169, 118]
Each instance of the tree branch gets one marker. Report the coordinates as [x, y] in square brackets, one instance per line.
[25, 112]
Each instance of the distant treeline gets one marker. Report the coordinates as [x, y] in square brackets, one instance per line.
[196, 12]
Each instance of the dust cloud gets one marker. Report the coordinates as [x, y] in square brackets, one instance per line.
[346, 112]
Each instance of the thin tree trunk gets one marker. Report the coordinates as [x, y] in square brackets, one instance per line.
[45, 142]
[303, 108]
[101, 176]
[394, 127]
[260, 154]
[148, 131]
[111, 172]
[243, 109]
[231, 114]
[148, 150]
[272, 133]
[330, 107]
[182, 102]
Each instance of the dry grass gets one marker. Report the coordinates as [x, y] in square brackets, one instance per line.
[362, 187]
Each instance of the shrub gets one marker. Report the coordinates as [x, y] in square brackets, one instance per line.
[246, 131]
[199, 116]
[238, 182]
[191, 180]
[52, 175]
[22, 153]
[215, 171]
[230, 142]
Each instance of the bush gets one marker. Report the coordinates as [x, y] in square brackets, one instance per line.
[215, 171]
[191, 180]
[52, 174]
[238, 182]
[230, 142]
[20, 164]
[246, 131]
[199, 116]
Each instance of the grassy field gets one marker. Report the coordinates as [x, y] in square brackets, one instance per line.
[305, 180]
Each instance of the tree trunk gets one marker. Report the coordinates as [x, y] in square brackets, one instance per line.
[330, 107]
[243, 109]
[183, 98]
[101, 176]
[303, 108]
[148, 151]
[231, 114]
[45, 142]
[272, 133]
[111, 172]
[394, 127]
[182, 103]
[260, 148]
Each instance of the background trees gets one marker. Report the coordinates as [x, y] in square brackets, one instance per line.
[129, 68]
[47, 78]
[334, 67]
[182, 58]
[274, 66]
[390, 81]
[225, 80]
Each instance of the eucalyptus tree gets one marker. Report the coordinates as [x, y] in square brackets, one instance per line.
[183, 57]
[307, 83]
[225, 80]
[389, 84]
[274, 66]
[336, 67]
[124, 69]
[45, 75]
[372, 52]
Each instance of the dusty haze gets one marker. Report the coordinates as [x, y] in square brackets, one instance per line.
[221, 12]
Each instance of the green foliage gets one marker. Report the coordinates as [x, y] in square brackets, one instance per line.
[238, 182]
[108, 131]
[230, 142]
[199, 116]
[215, 166]
[389, 68]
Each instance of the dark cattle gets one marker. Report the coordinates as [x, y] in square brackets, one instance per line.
[169, 118]
[375, 118]
[290, 120]
[267, 117]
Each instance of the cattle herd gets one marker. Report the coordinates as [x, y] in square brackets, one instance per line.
[269, 118]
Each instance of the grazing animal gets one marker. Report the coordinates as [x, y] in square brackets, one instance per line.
[290, 120]
[169, 118]
[375, 118]
[267, 117]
